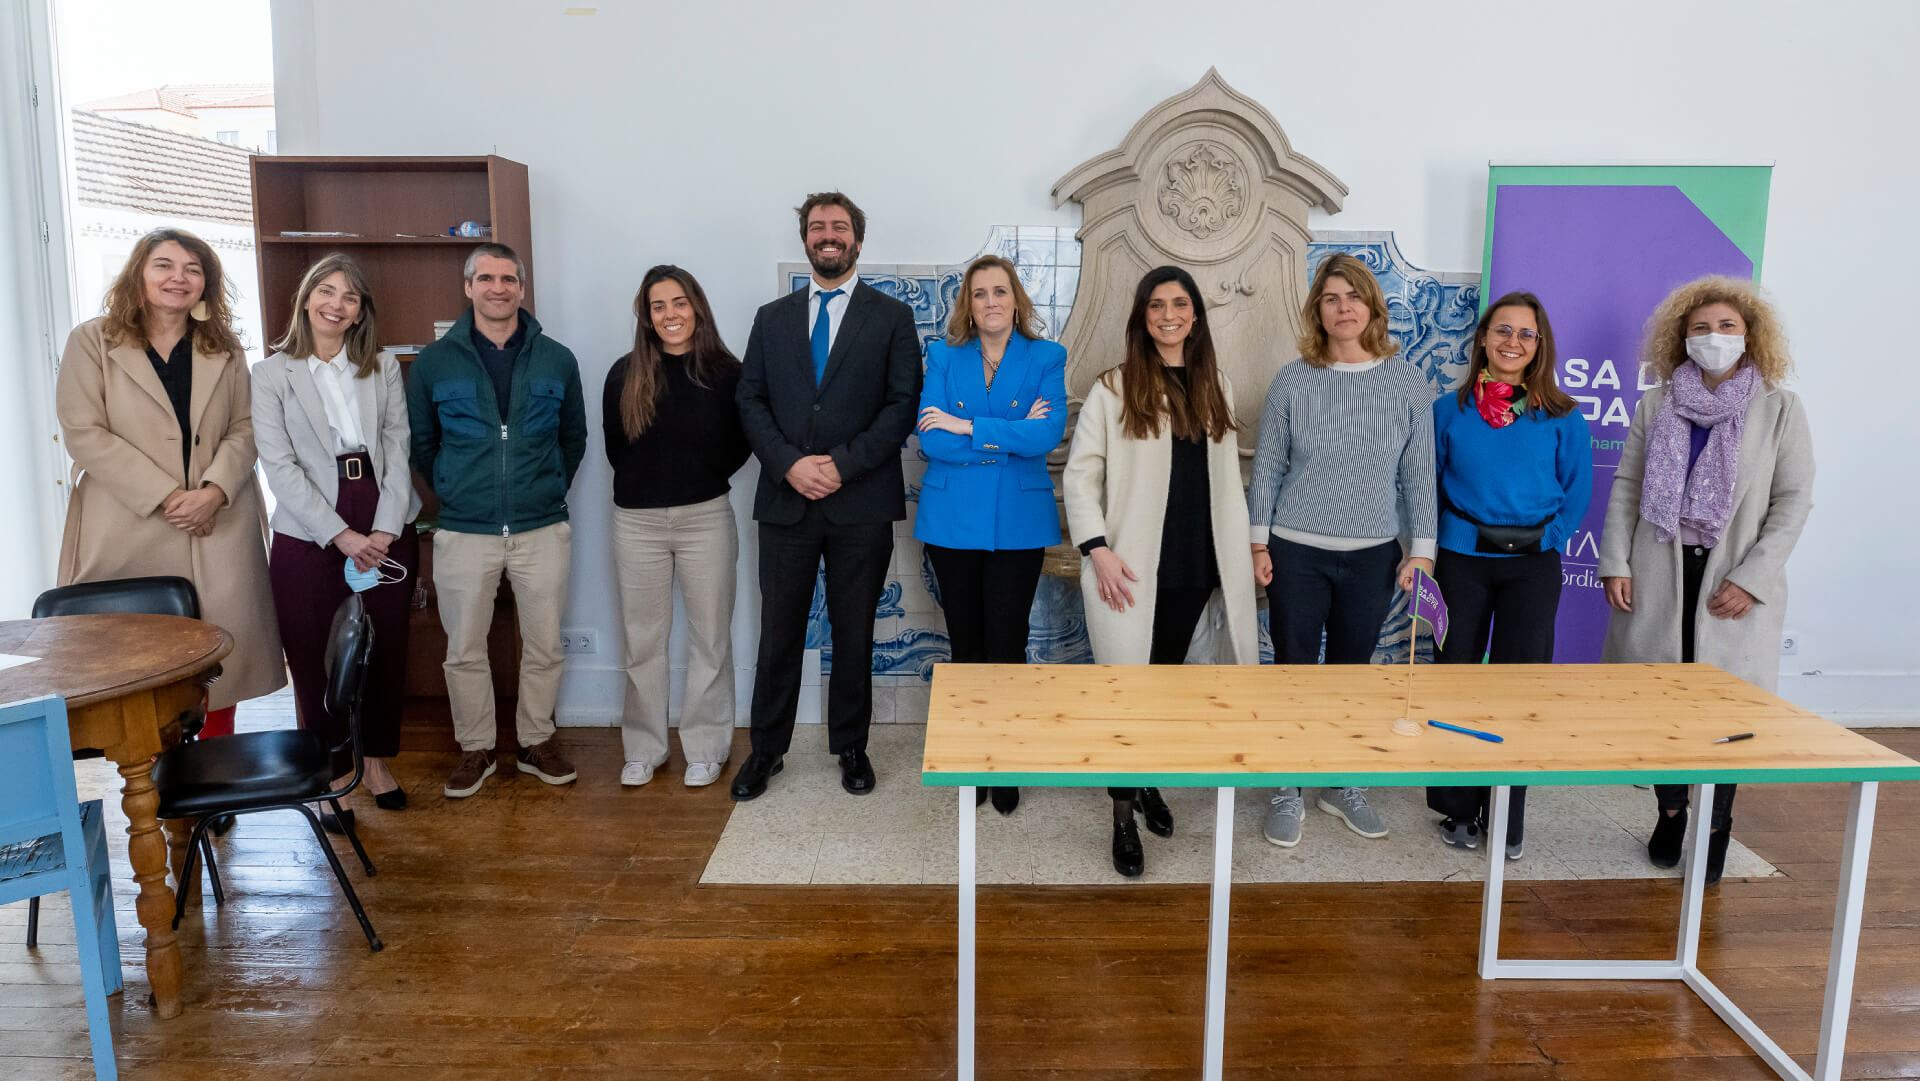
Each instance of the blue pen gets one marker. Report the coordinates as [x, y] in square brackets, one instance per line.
[1475, 733]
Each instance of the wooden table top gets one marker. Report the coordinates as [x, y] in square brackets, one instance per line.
[92, 659]
[1206, 726]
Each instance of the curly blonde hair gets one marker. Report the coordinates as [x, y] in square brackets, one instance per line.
[1666, 346]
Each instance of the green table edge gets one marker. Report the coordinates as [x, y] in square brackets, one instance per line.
[1433, 778]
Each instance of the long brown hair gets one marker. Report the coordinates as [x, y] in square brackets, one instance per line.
[1313, 339]
[1026, 322]
[362, 339]
[126, 301]
[1542, 392]
[709, 360]
[1149, 393]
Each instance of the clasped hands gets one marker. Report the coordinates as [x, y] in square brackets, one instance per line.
[366, 550]
[1729, 601]
[933, 417]
[815, 476]
[192, 511]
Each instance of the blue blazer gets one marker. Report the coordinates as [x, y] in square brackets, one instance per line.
[991, 490]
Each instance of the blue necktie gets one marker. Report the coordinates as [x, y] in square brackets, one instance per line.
[821, 339]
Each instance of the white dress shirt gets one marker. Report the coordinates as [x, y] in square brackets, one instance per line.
[836, 308]
[334, 379]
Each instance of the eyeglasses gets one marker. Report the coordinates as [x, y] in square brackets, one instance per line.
[1525, 334]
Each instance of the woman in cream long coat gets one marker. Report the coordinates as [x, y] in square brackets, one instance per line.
[138, 509]
[1710, 340]
[1154, 503]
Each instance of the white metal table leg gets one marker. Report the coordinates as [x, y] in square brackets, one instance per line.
[1217, 919]
[1496, 842]
[1846, 931]
[1693, 870]
[964, 1035]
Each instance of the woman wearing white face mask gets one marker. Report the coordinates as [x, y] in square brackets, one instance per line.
[330, 418]
[1709, 499]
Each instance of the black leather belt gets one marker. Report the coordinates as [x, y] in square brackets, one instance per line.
[354, 466]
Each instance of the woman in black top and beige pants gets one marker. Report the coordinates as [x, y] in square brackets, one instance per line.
[674, 438]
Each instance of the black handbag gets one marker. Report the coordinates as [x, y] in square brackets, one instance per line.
[1506, 540]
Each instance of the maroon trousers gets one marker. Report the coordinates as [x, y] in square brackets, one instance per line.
[309, 582]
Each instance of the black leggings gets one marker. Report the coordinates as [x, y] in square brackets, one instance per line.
[1674, 797]
[1176, 612]
[1511, 600]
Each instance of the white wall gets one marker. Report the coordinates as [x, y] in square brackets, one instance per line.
[686, 133]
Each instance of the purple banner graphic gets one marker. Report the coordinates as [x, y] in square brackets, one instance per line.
[1600, 257]
[1426, 603]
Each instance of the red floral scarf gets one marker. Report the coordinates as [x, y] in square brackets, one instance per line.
[1500, 403]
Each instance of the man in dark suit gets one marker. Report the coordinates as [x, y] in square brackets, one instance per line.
[828, 390]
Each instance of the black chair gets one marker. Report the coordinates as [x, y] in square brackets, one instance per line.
[160, 595]
[283, 770]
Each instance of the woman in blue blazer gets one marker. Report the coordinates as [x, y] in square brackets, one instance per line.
[992, 407]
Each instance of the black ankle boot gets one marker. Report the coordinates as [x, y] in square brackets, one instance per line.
[1005, 799]
[980, 795]
[1669, 834]
[1128, 857]
[1154, 809]
[1717, 843]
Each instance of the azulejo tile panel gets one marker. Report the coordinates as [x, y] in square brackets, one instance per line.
[1431, 315]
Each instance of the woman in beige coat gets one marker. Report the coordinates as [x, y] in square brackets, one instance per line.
[156, 408]
[1711, 493]
[1154, 503]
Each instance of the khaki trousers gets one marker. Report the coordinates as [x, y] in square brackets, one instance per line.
[466, 576]
[698, 546]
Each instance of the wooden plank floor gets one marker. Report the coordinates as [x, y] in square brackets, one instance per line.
[535, 931]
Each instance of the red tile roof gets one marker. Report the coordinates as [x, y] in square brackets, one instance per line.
[136, 167]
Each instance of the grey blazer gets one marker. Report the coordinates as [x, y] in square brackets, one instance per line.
[296, 448]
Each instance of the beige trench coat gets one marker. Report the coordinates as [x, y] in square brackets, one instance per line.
[1771, 498]
[1116, 487]
[125, 443]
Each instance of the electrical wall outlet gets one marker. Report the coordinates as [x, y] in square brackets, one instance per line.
[577, 640]
[1790, 644]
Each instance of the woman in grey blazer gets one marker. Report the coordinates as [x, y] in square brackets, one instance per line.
[330, 419]
[1711, 493]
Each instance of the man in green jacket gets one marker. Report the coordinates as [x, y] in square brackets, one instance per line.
[499, 427]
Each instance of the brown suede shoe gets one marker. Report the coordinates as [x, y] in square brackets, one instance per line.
[545, 761]
[467, 777]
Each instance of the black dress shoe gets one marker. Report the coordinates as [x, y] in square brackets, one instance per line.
[1717, 843]
[1154, 810]
[336, 824]
[1128, 857]
[751, 780]
[980, 795]
[1005, 799]
[856, 772]
[1669, 834]
[394, 799]
[221, 825]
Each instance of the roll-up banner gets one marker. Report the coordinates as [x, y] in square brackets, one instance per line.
[1602, 245]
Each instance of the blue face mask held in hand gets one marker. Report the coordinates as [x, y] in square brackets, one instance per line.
[362, 580]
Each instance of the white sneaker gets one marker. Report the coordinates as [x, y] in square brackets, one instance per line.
[635, 774]
[703, 773]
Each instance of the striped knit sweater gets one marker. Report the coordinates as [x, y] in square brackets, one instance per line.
[1346, 454]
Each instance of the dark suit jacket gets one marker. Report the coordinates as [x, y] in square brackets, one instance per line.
[860, 414]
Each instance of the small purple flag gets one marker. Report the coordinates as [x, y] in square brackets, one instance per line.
[1425, 602]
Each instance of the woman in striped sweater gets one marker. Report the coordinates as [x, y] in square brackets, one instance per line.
[1343, 468]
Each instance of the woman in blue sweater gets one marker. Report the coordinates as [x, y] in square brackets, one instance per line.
[1516, 469]
[992, 407]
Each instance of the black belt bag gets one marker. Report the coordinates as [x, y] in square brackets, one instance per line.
[1506, 540]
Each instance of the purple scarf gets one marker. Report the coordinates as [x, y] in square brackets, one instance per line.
[1703, 498]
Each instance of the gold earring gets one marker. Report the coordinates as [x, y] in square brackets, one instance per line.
[199, 311]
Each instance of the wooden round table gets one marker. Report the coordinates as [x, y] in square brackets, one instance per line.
[126, 680]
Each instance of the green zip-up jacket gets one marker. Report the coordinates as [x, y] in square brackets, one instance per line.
[497, 474]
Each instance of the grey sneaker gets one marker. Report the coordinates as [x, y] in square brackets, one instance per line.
[472, 771]
[1513, 850]
[1350, 806]
[545, 761]
[1458, 834]
[1283, 818]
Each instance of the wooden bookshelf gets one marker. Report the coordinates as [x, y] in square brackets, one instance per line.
[399, 211]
